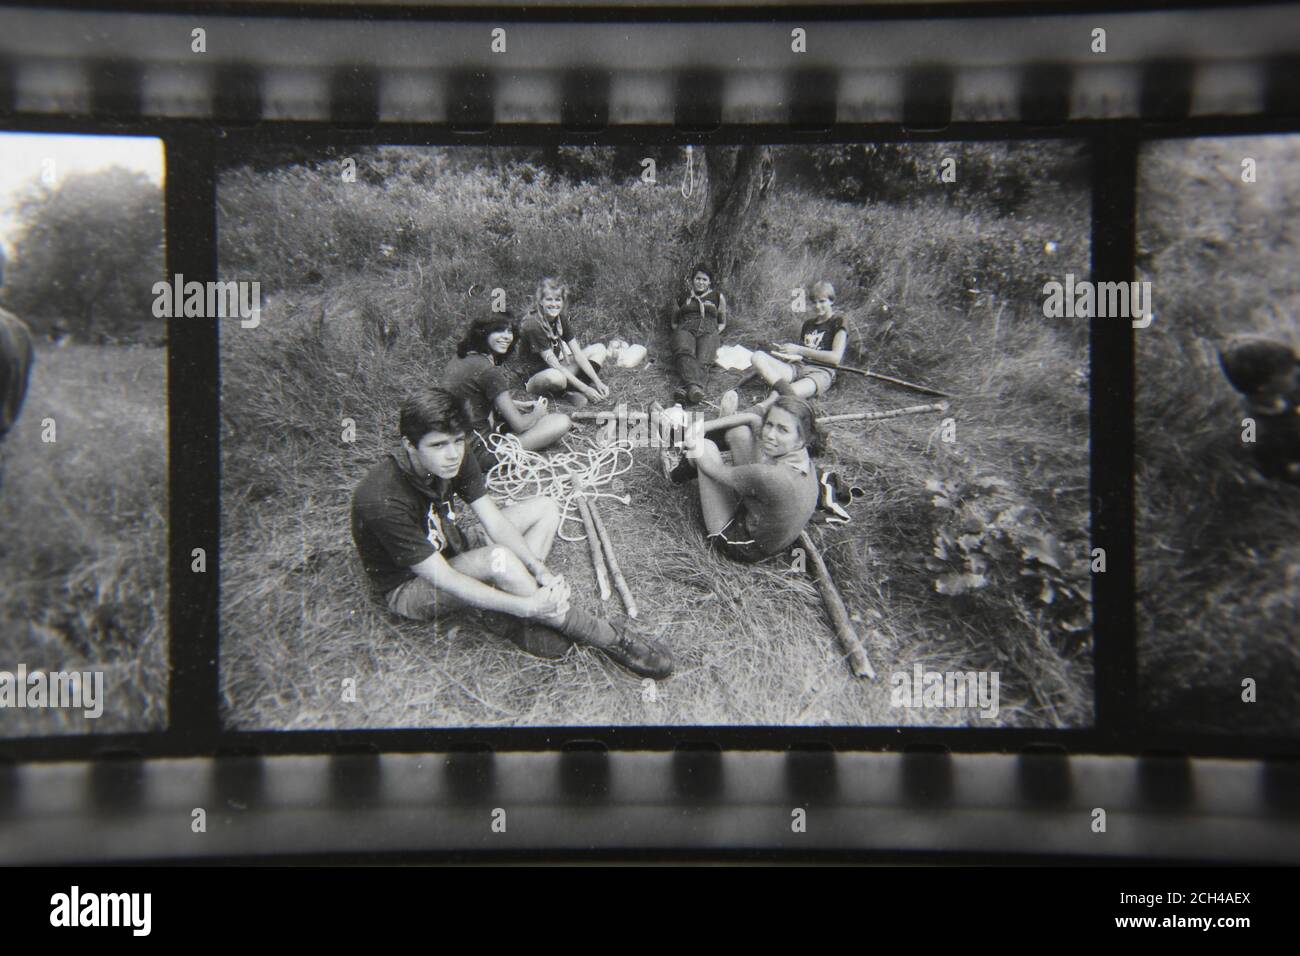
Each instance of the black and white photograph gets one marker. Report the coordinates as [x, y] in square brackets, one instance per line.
[83, 436]
[1218, 436]
[655, 435]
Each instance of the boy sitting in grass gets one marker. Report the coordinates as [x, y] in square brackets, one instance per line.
[422, 565]
[807, 366]
[1267, 372]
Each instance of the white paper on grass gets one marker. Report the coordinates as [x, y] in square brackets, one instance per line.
[734, 357]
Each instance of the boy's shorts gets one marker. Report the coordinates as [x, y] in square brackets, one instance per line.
[820, 377]
[420, 600]
[736, 541]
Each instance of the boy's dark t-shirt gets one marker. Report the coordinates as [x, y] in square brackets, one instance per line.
[398, 520]
[820, 333]
[476, 380]
[537, 334]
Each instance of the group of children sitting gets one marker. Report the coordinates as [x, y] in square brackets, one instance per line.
[421, 564]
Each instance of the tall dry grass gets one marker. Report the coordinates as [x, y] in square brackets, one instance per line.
[83, 539]
[372, 283]
[1218, 547]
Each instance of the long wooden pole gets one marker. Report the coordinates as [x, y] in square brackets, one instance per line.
[620, 584]
[839, 615]
[877, 416]
[741, 418]
[877, 375]
[593, 544]
[895, 381]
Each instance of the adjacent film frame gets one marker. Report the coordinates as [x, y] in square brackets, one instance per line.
[1165, 98]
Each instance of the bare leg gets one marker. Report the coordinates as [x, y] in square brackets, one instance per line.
[741, 442]
[771, 369]
[498, 567]
[538, 520]
[546, 432]
[717, 501]
[805, 388]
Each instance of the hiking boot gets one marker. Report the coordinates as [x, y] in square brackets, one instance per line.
[537, 639]
[684, 472]
[677, 468]
[695, 395]
[639, 656]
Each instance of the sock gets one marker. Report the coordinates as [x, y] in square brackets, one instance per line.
[587, 628]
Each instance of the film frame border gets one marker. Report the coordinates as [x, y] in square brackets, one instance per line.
[191, 176]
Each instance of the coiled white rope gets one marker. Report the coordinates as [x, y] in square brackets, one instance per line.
[562, 475]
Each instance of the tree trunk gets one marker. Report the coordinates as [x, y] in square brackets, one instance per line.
[737, 182]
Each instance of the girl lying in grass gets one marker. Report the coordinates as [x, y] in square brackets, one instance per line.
[809, 364]
[552, 356]
[755, 507]
[475, 377]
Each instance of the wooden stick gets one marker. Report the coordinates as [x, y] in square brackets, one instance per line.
[620, 584]
[608, 414]
[877, 416]
[835, 610]
[593, 545]
[925, 389]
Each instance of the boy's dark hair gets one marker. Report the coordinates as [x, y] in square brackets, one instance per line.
[1250, 362]
[807, 419]
[431, 410]
[476, 336]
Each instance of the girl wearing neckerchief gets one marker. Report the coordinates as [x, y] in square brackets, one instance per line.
[553, 358]
[697, 325]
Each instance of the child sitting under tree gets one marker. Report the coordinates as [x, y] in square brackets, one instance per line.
[697, 325]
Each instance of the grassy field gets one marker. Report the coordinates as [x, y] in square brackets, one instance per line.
[1218, 548]
[83, 541]
[968, 555]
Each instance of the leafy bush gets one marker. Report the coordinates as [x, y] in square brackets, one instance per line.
[87, 255]
[987, 539]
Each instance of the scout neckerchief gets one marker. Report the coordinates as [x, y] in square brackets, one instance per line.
[700, 298]
[439, 519]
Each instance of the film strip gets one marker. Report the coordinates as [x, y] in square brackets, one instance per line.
[237, 86]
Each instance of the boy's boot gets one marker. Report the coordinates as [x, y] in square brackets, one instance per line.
[618, 644]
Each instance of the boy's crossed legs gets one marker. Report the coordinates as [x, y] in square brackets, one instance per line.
[538, 520]
[804, 382]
